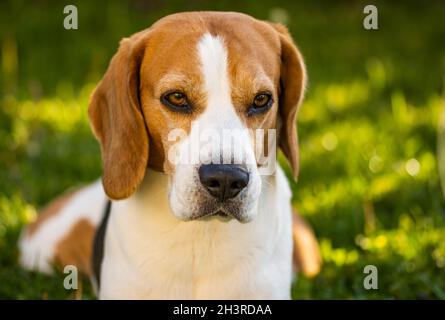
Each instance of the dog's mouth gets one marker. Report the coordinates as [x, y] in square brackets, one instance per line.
[224, 216]
[219, 214]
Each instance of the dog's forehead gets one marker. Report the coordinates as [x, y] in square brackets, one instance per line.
[173, 45]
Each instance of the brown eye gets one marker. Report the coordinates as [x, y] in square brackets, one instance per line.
[261, 103]
[176, 100]
[261, 100]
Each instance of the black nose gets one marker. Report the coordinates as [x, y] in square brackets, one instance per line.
[223, 181]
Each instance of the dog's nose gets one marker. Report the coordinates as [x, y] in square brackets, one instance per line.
[223, 181]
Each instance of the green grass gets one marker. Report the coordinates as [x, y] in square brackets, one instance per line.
[369, 181]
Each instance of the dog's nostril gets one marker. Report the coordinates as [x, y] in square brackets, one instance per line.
[237, 185]
[213, 184]
[223, 181]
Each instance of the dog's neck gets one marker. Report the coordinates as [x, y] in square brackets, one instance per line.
[146, 218]
[152, 194]
[149, 240]
[153, 182]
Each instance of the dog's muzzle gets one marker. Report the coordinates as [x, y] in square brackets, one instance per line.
[223, 182]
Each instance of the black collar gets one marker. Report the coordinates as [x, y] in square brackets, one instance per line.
[98, 245]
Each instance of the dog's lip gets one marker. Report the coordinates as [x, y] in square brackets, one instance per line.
[221, 213]
[218, 213]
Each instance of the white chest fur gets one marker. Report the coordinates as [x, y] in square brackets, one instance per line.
[149, 254]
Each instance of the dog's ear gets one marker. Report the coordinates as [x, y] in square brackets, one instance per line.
[118, 123]
[292, 87]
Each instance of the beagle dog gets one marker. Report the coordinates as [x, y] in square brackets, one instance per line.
[187, 222]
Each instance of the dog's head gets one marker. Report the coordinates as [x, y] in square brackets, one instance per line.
[200, 96]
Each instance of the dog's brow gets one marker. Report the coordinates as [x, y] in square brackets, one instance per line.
[172, 79]
[255, 81]
[262, 82]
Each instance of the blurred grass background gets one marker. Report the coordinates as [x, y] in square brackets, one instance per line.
[369, 181]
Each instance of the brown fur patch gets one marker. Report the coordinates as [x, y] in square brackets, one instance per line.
[76, 247]
[306, 254]
[53, 208]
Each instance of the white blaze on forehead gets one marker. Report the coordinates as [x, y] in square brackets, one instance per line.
[213, 56]
[214, 66]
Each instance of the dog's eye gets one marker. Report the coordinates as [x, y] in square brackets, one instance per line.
[261, 103]
[176, 100]
[261, 100]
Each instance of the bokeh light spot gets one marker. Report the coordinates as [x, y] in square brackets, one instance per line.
[412, 167]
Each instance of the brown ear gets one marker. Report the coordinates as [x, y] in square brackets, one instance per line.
[117, 121]
[292, 86]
